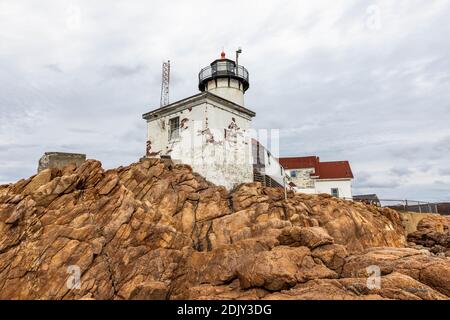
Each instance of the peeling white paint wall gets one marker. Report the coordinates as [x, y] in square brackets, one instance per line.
[214, 140]
[229, 89]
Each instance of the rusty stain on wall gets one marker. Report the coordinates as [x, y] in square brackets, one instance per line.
[149, 147]
[149, 151]
[183, 124]
[232, 132]
[217, 149]
[233, 125]
[209, 137]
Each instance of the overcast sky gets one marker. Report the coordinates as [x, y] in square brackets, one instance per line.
[364, 81]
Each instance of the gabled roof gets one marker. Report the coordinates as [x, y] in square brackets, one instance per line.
[335, 170]
[299, 162]
[196, 99]
[322, 170]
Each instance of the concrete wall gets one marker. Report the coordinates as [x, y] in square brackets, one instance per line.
[60, 160]
[214, 140]
[344, 187]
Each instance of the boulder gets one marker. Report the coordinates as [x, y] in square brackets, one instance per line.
[432, 231]
[418, 264]
[281, 268]
[392, 286]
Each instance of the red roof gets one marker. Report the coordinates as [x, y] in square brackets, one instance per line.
[335, 170]
[322, 170]
[299, 162]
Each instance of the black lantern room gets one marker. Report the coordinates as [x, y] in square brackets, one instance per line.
[223, 68]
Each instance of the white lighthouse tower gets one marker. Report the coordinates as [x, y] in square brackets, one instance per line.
[223, 77]
[209, 131]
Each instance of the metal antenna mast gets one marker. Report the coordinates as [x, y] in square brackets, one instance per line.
[165, 84]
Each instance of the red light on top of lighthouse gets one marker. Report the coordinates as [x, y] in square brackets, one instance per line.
[222, 55]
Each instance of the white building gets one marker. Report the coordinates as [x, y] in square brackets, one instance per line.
[209, 131]
[266, 167]
[309, 175]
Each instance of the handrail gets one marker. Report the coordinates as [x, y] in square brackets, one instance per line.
[223, 70]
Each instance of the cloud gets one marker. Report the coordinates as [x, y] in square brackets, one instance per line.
[53, 67]
[445, 171]
[122, 71]
[401, 171]
[378, 185]
[367, 181]
[335, 85]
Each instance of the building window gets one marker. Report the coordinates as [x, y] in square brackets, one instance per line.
[293, 174]
[335, 192]
[174, 128]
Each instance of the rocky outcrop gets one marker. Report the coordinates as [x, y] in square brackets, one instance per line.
[154, 230]
[433, 232]
[394, 286]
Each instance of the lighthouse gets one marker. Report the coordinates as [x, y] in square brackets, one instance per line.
[210, 131]
[225, 78]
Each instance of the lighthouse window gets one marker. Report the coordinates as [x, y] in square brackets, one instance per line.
[335, 192]
[174, 128]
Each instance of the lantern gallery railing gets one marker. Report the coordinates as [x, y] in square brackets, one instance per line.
[224, 69]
